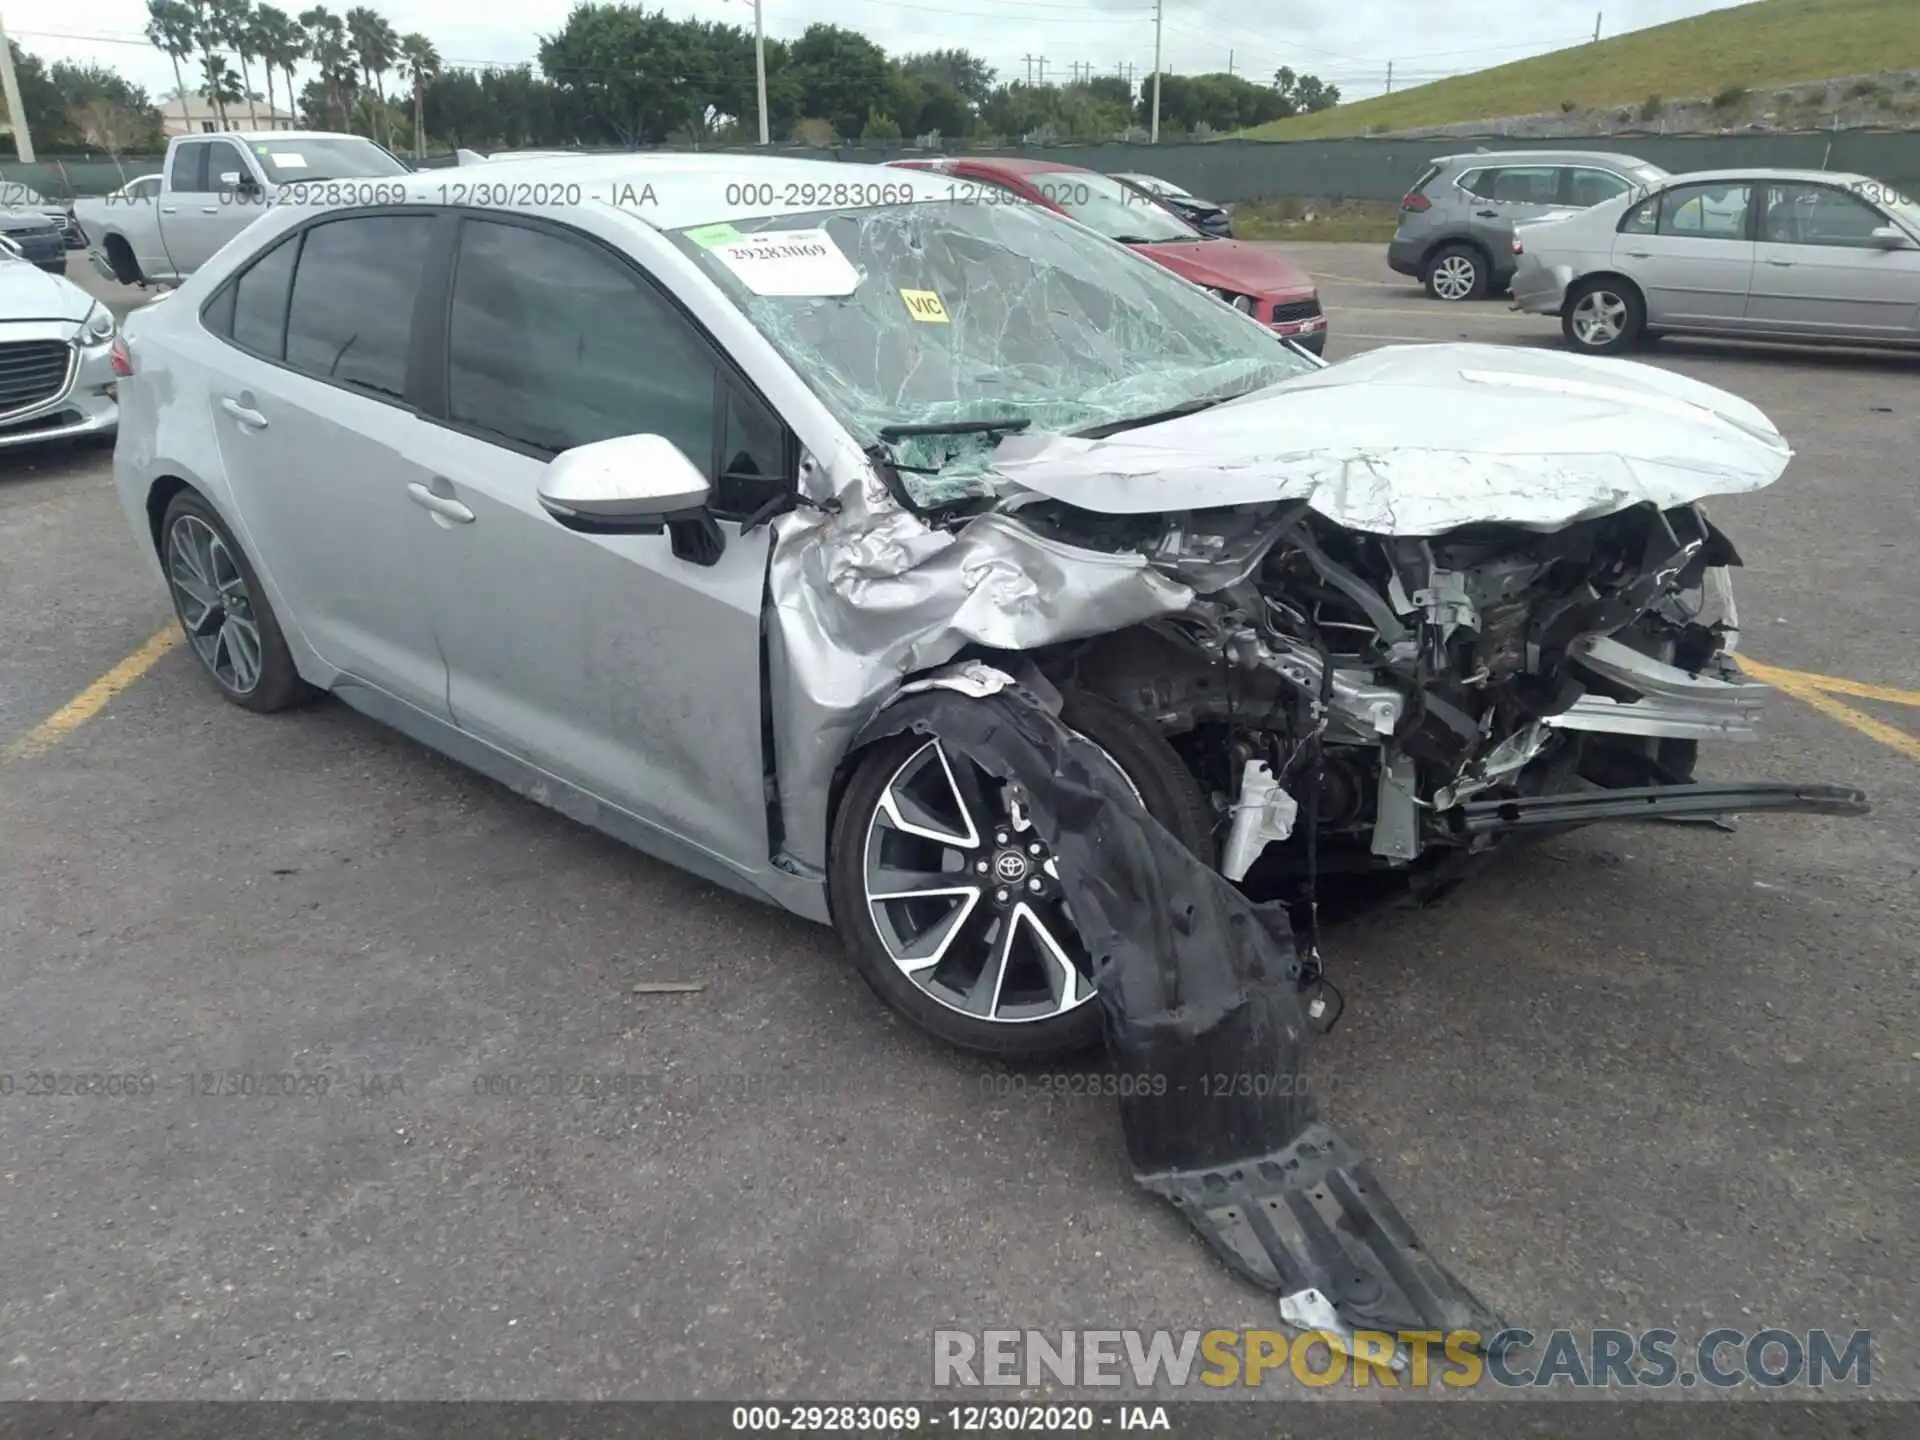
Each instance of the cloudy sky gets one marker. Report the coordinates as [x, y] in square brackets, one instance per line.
[1348, 42]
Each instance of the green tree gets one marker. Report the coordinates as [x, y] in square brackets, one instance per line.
[221, 87]
[880, 126]
[213, 65]
[326, 46]
[103, 111]
[840, 72]
[275, 37]
[170, 30]
[374, 47]
[232, 21]
[643, 76]
[961, 71]
[419, 67]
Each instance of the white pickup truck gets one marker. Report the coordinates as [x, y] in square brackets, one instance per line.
[211, 188]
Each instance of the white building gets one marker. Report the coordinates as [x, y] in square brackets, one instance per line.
[202, 119]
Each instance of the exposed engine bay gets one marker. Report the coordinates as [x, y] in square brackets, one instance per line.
[1374, 699]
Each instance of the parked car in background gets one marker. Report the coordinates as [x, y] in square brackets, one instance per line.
[36, 238]
[1201, 214]
[1259, 282]
[212, 187]
[1456, 222]
[1752, 254]
[17, 197]
[57, 379]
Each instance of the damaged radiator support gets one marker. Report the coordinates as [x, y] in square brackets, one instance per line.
[1199, 987]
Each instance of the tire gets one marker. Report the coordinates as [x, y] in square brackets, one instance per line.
[1046, 1025]
[202, 559]
[1603, 316]
[120, 255]
[1456, 274]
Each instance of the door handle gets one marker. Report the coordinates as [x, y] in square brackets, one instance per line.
[209, 209]
[1783, 264]
[1488, 214]
[444, 506]
[169, 209]
[1638, 254]
[237, 407]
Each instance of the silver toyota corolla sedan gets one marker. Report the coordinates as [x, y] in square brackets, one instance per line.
[1742, 254]
[652, 485]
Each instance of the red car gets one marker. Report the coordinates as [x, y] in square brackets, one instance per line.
[1264, 284]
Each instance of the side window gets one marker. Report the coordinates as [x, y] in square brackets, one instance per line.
[260, 301]
[1526, 184]
[223, 159]
[552, 344]
[350, 320]
[1817, 215]
[1478, 182]
[752, 457]
[1716, 210]
[188, 173]
[1587, 187]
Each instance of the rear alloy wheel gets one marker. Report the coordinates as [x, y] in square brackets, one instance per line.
[1458, 273]
[1603, 317]
[224, 610]
[951, 902]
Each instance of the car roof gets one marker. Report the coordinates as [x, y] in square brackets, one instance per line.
[671, 192]
[1827, 177]
[1016, 165]
[1543, 157]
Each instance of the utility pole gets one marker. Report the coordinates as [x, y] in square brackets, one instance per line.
[760, 69]
[1389, 77]
[1029, 60]
[1159, 15]
[1229, 60]
[1597, 15]
[1043, 70]
[16, 112]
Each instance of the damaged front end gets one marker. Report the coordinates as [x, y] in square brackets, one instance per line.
[1440, 686]
[1368, 656]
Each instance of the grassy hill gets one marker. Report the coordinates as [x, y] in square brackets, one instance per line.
[1774, 42]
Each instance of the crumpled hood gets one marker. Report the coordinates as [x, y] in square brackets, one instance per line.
[29, 293]
[1231, 265]
[1417, 440]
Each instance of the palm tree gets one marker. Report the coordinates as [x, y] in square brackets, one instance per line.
[222, 86]
[233, 22]
[374, 46]
[206, 37]
[280, 45]
[419, 63]
[170, 29]
[326, 45]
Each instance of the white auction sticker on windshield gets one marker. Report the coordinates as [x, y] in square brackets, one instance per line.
[789, 262]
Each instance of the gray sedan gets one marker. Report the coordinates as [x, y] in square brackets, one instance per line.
[649, 485]
[57, 379]
[1750, 254]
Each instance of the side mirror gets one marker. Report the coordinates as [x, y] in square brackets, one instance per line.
[629, 485]
[1891, 237]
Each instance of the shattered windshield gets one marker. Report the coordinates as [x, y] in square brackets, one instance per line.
[948, 313]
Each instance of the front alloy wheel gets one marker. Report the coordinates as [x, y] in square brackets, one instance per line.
[1603, 317]
[950, 900]
[965, 897]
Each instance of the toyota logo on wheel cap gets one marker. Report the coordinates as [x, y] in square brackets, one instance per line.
[1010, 866]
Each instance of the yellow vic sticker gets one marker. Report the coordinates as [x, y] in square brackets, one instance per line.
[925, 306]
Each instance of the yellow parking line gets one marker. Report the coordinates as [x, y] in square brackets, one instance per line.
[92, 700]
[1816, 691]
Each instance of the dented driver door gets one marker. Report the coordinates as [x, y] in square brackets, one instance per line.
[607, 661]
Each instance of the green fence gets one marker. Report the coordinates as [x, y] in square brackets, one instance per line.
[1349, 169]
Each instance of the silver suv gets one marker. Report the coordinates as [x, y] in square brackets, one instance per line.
[1456, 223]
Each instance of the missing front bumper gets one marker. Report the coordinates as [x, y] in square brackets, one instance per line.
[1673, 703]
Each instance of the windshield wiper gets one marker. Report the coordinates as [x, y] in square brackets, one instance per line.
[1135, 422]
[957, 427]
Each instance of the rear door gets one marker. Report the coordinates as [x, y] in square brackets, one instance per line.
[628, 665]
[1502, 196]
[312, 412]
[1819, 271]
[1690, 250]
[205, 218]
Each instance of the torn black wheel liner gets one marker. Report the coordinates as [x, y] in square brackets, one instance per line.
[1199, 989]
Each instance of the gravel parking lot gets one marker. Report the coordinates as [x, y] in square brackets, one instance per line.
[1636, 1077]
